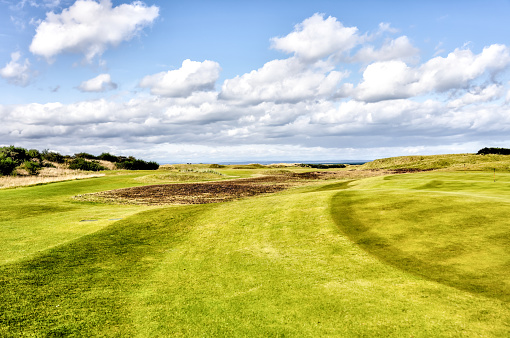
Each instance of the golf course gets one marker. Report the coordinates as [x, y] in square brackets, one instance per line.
[401, 247]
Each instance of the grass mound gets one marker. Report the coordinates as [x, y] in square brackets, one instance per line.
[451, 162]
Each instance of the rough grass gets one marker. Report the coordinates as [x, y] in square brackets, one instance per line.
[47, 175]
[451, 162]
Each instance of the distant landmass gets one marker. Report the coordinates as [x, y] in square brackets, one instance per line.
[352, 162]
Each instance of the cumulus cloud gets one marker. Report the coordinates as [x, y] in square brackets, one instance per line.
[288, 80]
[395, 79]
[15, 72]
[193, 76]
[397, 49]
[316, 38]
[100, 83]
[89, 28]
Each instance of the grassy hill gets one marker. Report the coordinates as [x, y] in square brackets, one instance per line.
[452, 162]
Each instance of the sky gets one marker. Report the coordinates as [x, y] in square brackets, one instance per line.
[206, 81]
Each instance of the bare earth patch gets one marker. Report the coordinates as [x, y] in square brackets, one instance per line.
[214, 192]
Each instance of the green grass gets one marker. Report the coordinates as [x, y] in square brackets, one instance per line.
[450, 162]
[275, 265]
[448, 227]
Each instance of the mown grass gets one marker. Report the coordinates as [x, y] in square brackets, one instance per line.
[33, 219]
[449, 227]
[275, 265]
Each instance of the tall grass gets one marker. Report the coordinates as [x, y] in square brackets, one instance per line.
[47, 175]
[452, 162]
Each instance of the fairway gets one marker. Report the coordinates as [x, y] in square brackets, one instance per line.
[423, 255]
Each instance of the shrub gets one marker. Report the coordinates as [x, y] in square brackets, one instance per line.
[86, 156]
[32, 167]
[108, 157]
[82, 164]
[132, 163]
[496, 151]
[7, 166]
[322, 166]
[52, 156]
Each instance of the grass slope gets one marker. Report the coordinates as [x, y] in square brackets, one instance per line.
[451, 162]
[33, 219]
[274, 265]
[449, 227]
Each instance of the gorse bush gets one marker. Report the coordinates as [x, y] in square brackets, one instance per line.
[32, 167]
[52, 156]
[12, 157]
[32, 160]
[496, 151]
[132, 163]
[83, 164]
[7, 166]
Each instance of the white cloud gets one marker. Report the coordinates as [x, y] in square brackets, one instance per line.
[316, 38]
[398, 49]
[479, 95]
[288, 80]
[100, 83]
[394, 79]
[15, 72]
[191, 77]
[88, 27]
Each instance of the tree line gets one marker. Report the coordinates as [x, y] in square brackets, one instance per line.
[33, 160]
[496, 151]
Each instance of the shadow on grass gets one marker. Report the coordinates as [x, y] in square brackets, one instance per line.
[83, 288]
[342, 211]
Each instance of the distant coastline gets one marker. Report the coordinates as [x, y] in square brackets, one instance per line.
[352, 162]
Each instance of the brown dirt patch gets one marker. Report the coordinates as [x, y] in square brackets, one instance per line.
[217, 191]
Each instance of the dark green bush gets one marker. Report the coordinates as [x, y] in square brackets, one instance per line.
[322, 166]
[496, 151]
[109, 157]
[86, 156]
[82, 164]
[52, 156]
[32, 167]
[132, 163]
[7, 166]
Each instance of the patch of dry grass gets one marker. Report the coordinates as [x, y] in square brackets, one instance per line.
[47, 175]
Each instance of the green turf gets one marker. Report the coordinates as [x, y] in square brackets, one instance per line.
[275, 265]
[452, 228]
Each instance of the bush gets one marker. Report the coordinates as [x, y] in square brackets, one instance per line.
[86, 156]
[82, 164]
[322, 166]
[108, 157]
[7, 166]
[32, 167]
[132, 163]
[496, 151]
[52, 156]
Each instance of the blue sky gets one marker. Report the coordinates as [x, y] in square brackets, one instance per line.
[216, 81]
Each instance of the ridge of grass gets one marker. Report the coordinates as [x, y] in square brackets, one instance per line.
[453, 162]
